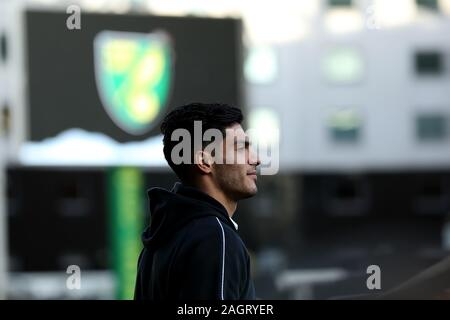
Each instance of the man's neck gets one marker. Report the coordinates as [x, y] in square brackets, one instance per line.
[229, 204]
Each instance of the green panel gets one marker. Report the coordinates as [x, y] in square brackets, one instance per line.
[126, 211]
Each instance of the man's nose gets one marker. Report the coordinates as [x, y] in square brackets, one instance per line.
[253, 159]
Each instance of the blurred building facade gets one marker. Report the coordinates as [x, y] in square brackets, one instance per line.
[355, 94]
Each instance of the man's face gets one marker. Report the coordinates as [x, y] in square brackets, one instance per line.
[236, 176]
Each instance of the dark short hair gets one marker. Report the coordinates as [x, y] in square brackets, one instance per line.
[212, 115]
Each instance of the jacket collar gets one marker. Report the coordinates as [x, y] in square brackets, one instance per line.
[196, 193]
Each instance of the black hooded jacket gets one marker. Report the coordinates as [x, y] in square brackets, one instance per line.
[192, 250]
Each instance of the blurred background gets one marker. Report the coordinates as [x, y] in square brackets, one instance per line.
[355, 93]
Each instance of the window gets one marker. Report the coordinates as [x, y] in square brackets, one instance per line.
[3, 47]
[431, 187]
[266, 123]
[340, 3]
[345, 126]
[347, 196]
[261, 65]
[431, 127]
[429, 63]
[428, 4]
[431, 194]
[343, 66]
[73, 198]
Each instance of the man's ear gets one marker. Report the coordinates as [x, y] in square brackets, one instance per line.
[203, 161]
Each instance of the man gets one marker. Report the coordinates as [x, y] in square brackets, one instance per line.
[192, 249]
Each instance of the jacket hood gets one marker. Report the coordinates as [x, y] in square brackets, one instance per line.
[171, 210]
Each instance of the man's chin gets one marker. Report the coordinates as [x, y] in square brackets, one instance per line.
[250, 192]
[246, 191]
